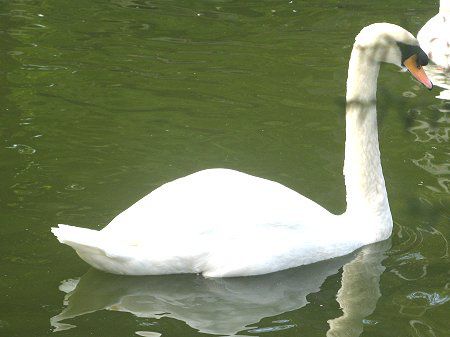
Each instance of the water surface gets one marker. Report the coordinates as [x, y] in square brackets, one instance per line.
[103, 101]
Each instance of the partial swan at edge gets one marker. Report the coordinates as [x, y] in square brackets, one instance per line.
[434, 36]
[224, 223]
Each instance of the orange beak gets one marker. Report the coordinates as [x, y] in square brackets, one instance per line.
[417, 71]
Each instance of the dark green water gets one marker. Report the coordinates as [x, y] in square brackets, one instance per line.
[103, 101]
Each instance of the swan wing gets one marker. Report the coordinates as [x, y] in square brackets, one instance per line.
[217, 200]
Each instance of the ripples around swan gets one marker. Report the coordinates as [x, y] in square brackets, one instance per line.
[440, 79]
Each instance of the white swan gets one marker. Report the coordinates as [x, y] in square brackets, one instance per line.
[221, 222]
[434, 36]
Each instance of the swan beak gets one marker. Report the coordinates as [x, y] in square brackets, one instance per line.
[417, 71]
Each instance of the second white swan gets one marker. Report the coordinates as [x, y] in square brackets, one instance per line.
[434, 36]
[221, 222]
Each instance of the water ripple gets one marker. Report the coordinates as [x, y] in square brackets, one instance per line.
[274, 328]
[426, 131]
[22, 148]
[410, 263]
[421, 329]
[439, 170]
[417, 303]
[440, 79]
[147, 333]
[432, 299]
[435, 169]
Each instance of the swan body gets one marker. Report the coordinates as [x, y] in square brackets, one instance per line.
[434, 36]
[233, 224]
[221, 222]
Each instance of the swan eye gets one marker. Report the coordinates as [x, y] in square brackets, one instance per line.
[422, 58]
[408, 51]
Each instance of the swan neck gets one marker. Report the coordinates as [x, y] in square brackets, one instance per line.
[366, 191]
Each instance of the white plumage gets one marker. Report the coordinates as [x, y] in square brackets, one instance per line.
[434, 36]
[221, 222]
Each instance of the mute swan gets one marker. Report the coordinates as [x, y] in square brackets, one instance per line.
[434, 37]
[222, 223]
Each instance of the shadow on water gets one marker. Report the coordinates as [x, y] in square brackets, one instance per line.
[229, 306]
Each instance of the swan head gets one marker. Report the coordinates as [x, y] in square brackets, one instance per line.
[389, 43]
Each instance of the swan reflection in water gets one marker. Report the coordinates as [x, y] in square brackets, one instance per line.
[230, 305]
[440, 78]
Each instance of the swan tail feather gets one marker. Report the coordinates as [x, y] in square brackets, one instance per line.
[81, 239]
[94, 247]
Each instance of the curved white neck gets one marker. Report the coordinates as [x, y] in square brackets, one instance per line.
[366, 192]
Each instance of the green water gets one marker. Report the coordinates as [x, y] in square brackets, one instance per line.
[103, 101]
